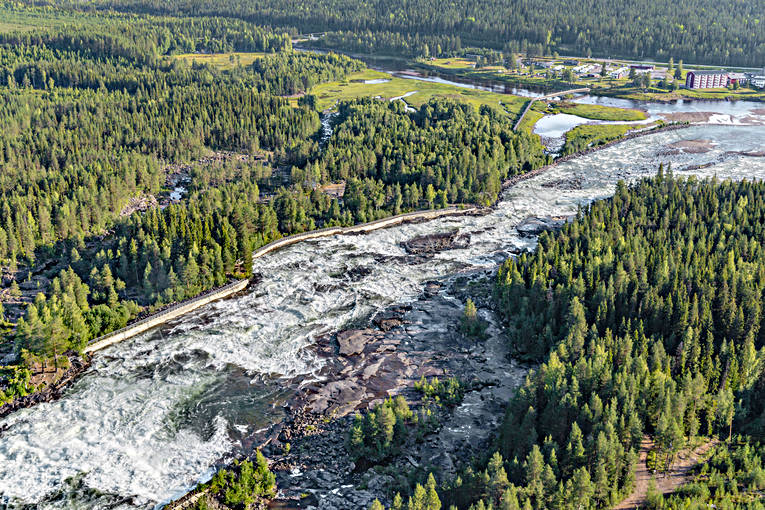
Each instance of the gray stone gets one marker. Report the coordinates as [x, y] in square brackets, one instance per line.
[535, 225]
[353, 341]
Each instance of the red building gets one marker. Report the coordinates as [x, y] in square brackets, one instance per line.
[706, 80]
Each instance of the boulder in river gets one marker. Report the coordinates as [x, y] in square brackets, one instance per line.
[434, 243]
[388, 320]
[535, 225]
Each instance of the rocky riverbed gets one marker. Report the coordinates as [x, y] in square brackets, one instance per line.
[158, 413]
[366, 365]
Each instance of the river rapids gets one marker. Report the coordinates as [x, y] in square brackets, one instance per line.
[155, 414]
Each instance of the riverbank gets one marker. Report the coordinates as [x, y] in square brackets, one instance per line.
[494, 81]
[50, 392]
[508, 183]
[163, 316]
[658, 96]
[192, 304]
[185, 307]
[489, 78]
[386, 357]
[180, 309]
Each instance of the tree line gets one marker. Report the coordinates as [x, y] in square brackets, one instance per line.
[646, 310]
[700, 31]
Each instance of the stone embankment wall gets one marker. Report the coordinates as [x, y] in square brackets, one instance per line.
[512, 181]
[165, 315]
[185, 307]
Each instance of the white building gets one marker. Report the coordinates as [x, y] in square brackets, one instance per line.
[757, 80]
[584, 68]
[620, 73]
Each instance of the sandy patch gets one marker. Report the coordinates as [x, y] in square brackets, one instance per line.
[680, 473]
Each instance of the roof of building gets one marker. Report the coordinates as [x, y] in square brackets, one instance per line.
[707, 73]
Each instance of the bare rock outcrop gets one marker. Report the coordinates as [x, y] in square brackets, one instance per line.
[434, 243]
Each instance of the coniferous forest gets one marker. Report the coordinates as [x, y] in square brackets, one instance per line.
[646, 312]
[94, 125]
[643, 319]
[136, 174]
[724, 32]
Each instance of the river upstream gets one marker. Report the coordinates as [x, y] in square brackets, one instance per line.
[154, 414]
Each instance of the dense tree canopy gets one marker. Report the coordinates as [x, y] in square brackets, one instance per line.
[726, 32]
[647, 311]
[96, 121]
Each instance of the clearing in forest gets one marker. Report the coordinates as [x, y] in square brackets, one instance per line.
[666, 483]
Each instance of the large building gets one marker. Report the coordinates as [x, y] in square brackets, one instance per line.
[706, 79]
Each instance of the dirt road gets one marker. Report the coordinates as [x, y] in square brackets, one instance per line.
[665, 483]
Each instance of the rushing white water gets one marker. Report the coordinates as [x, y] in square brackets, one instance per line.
[156, 412]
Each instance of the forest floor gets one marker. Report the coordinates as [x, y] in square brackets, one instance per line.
[679, 473]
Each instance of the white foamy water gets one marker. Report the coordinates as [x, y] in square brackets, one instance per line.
[156, 412]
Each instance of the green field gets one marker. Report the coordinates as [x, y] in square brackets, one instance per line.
[530, 120]
[328, 94]
[223, 61]
[452, 63]
[587, 135]
[594, 112]
[599, 112]
[656, 94]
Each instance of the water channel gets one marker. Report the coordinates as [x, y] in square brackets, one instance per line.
[154, 414]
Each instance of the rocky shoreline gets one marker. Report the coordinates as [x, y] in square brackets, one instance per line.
[365, 366]
[417, 248]
[50, 392]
